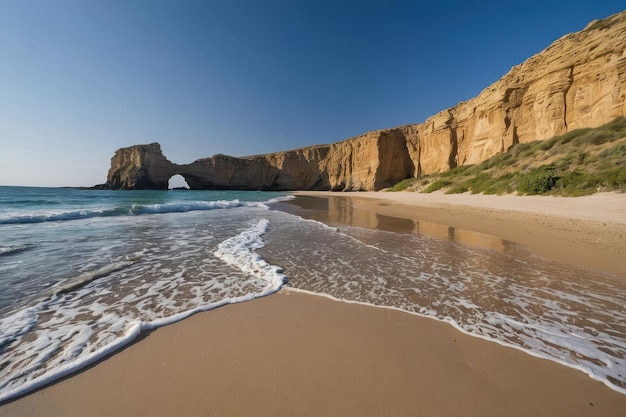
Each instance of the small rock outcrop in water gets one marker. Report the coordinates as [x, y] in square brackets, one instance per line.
[579, 81]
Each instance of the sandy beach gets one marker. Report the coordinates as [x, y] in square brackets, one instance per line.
[294, 354]
[588, 231]
[298, 355]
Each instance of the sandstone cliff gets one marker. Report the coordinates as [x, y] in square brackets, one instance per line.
[139, 167]
[579, 81]
[369, 162]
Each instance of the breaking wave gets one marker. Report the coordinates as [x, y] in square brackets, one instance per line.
[131, 210]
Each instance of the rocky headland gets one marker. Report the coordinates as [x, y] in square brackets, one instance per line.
[579, 81]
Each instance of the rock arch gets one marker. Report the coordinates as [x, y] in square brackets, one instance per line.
[371, 161]
[577, 82]
[177, 181]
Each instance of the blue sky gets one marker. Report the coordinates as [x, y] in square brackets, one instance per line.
[80, 79]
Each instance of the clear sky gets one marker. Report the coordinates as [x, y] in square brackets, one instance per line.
[82, 78]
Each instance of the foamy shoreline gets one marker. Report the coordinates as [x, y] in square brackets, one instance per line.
[296, 354]
[285, 354]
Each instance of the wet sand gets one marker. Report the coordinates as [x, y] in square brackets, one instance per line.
[588, 231]
[293, 354]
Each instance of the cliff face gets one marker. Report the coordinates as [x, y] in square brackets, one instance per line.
[579, 81]
[368, 162]
[139, 167]
[372, 161]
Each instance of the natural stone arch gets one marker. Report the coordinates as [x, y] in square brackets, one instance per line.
[368, 162]
[177, 181]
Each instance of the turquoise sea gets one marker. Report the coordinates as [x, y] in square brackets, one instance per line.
[84, 272]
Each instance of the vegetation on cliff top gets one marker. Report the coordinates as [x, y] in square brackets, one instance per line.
[580, 162]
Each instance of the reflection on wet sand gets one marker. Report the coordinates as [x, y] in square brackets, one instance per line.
[484, 285]
[340, 211]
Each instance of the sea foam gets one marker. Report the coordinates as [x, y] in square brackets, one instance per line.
[239, 251]
[12, 249]
[85, 319]
[570, 315]
[131, 210]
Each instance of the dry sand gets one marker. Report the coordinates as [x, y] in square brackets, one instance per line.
[292, 354]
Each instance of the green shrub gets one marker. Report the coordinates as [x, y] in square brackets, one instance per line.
[571, 178]
[528, 153]
[460, 170]
[575, 191]
[616, 178]
[499, 188]
[617, 152]
[569, 136]
[457, 189]
[609, 132]
[580, 167]
[521, 147]
[478, 183]
[404, 184]
[501, 185]
[496, 161]
[538, 181]
[546, 145]
[617, 124]
[563, 164]
[472, 170]
[597, 137]
[576, 183]
[437, 185]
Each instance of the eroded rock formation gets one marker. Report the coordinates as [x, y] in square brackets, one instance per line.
[579, 81]
[369, 162]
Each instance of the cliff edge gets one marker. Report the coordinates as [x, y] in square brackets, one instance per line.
[578, 81]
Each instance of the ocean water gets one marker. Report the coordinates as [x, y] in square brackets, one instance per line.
[83, 272]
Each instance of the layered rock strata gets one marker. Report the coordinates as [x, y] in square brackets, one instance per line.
[579, 81]
[369, 162]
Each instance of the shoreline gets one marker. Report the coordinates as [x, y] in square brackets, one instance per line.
[294, 354]
[586, 231]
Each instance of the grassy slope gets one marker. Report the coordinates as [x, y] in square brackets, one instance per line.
[580, 162]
